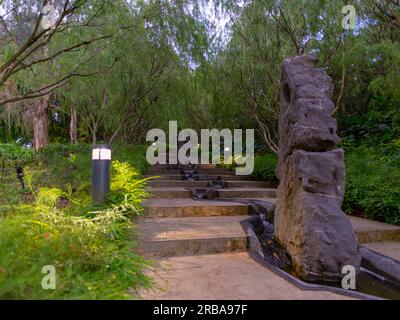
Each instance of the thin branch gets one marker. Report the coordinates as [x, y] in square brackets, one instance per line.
[49, 88]
[342, 80]
[60, 52]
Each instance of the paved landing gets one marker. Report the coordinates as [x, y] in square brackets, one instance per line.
[232, 276]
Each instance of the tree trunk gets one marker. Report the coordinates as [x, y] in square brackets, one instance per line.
[73, 131]
[40, 126]
[94, 134]
[40, 118]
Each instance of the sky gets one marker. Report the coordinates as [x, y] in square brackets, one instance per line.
[219, 20]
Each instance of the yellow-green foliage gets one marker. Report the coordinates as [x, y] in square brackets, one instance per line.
[126, 185]
[233, 161]
[92, 255]
[90, 247]
[48, 196]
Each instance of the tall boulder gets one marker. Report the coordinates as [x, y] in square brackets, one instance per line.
[309, 221]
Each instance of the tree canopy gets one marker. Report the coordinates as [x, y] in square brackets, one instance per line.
[112, 70]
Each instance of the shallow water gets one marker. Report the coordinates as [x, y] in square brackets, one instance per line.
[366, 282]
[372, 285]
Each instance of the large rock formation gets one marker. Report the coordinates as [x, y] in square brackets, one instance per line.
[309, 222]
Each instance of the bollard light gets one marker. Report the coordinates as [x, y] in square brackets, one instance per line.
[20, 175]
[101, 159]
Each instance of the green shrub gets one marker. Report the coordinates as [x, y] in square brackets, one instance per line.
[92, 256]
[10, 156]
[13, 152]
[134, 155]
[49, 196]
[265, 166]
[233, 161]
[55, 223]
[63, 150]
[126, 185]
[372, 185]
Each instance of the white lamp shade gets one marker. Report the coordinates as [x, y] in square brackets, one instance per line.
[101, 154]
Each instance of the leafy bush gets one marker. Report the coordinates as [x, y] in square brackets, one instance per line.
[127, 185]
[92, 256]
[372, 185]
[12, 155]
[49, 196]
[375, 129]
[15, 152]
[265, 166]
[233, 161]
[55, 223]
[134, 155]
[63, 150]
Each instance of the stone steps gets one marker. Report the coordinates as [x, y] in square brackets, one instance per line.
[367, 231]
[217, 171]
[167, 237]
[204, 184]
[171, 213]
[184, 193]
[223, 177]
[199, 166]
[372, 231]
[193, 208]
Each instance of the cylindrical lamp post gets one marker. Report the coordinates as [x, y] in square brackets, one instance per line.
[101, 159]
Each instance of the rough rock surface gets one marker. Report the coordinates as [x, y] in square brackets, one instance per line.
[309, 222]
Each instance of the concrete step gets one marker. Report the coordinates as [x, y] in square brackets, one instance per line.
[189, 208]
[168, 237]
[200, 166]
[176, 172]
[179, 193]
[216, 171]
[369, 231]
[203, 184]
[215, 177]
[389, 249]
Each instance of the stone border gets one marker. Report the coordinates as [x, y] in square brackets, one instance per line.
[256, 254]
[380, 264]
